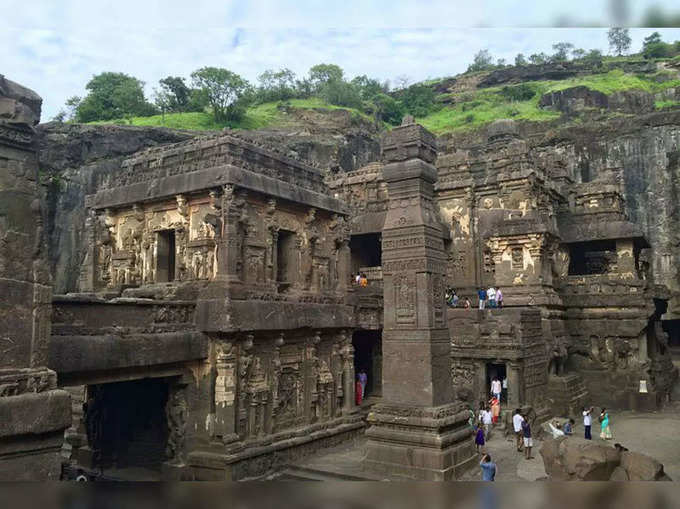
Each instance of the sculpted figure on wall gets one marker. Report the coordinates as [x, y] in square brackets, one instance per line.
[176, 413]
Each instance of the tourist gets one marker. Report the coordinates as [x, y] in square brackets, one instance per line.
[358, 396]
[499, 297]
[491, 295]
[504, 387]
[605, 431]
[587, 421]
[454, 299]
[467, 304]
[481, 294]
[528, 441]
[357, 278]
[363, 380]
[363, 280]
[496, 388]
[488, 468]
[471, 420]
[487, 420]
[479, 437]
[495, 409]
[480, 412]
[517, 420]
[568, 427]
[555, 430]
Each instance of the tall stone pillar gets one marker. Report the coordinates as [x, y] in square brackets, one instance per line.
[418, 431]
[33, 413]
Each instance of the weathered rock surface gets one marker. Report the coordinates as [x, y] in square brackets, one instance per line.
[576, 459]
[77, 159]
[576, 99]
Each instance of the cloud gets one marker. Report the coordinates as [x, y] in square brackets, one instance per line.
[56, 47]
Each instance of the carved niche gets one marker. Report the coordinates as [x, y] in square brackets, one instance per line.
[405, 298]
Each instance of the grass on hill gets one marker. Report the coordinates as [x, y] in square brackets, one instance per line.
[486, 105]
[256, 117]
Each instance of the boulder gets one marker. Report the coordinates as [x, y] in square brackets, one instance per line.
[640, 467]
[550, 451]
[577, 459]
[619, 474]
[587, 461]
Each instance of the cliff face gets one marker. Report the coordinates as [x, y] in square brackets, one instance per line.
[75, 159]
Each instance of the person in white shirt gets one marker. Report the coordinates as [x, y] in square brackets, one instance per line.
[491, 295]
[487, 419]
[587, 422]
[517, 426]
[496, 388]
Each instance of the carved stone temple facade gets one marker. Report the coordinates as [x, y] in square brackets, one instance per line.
[217, 331]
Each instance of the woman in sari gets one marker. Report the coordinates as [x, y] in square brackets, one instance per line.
[495, 409]
[605, 431]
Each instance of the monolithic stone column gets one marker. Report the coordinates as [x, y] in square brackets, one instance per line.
[418, 430]
[33, 413]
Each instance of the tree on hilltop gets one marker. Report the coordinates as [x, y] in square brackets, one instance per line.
[226, 91]
[322, 74]
[176, 92]
[562, 50]
[483, 61]
[619, 40]
[520, 60]
[113, 95]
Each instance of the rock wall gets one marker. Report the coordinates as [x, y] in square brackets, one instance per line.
[33, 412]
[76, 159]
[643, 149]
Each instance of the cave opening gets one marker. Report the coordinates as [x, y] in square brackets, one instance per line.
[366, 251]
[126, 423]
[592, 257]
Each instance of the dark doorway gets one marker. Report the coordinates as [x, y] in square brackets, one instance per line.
[366, 250]
[165, 256]
[285, 258]
[592, 257]
[498, 370]
[368, 358]
[672, 328]
[126, 423]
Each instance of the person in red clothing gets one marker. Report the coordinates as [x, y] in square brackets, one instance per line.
[357, 392]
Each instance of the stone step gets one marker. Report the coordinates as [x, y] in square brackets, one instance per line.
[303, 473]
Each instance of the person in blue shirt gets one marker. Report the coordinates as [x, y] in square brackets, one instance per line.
[482, 298]
[489, 468]
[568, 427]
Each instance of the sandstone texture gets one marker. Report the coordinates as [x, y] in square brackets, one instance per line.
[576, 459]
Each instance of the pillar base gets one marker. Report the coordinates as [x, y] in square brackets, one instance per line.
[430, 443]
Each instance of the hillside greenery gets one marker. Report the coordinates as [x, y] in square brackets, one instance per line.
[216, 98]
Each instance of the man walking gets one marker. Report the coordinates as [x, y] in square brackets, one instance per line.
[491, 295]
[481, 293]
[517, 426]
[587, 422]
[487, 419]
[499, 298]
[496, 388]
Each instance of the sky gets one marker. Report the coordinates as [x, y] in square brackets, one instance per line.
[56, 46]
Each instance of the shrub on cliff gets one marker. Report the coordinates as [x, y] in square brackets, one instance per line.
[227, 93]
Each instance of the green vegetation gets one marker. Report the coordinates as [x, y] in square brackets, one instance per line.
[520, 102]
[255, 117]
[662, 105]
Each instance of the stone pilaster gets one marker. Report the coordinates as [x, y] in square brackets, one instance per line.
[418, 431]
[33, 412]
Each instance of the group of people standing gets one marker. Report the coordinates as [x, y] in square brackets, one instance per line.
[605, 429]
[524, 441]
[494, 296]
